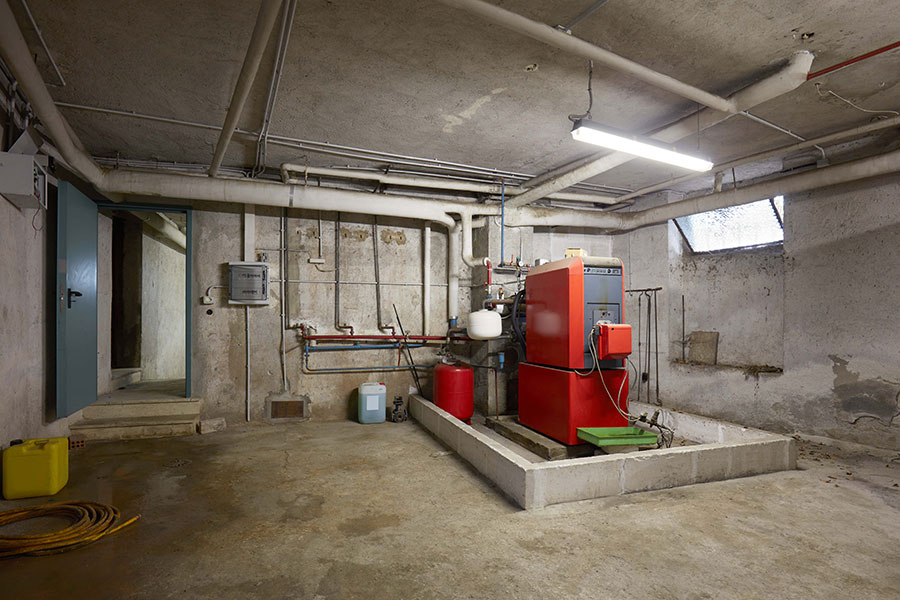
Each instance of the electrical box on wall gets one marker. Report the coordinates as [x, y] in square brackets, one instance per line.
[248, 283]
[23, 181]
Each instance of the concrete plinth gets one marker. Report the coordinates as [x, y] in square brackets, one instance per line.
[725, 451]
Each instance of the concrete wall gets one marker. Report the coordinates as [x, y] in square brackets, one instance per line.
[824, 310]
[162, 311]
[24, 329]
[219, 350]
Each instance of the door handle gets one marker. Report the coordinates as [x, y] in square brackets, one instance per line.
[72, 293]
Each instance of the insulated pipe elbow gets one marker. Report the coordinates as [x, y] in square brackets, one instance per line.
[467, 255]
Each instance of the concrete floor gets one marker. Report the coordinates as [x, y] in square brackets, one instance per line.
[341, 510]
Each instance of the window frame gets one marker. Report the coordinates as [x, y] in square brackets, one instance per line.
[753, 247]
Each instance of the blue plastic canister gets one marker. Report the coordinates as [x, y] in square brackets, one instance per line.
[372, 402]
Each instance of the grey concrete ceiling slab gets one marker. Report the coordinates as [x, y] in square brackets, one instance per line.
[416, 77]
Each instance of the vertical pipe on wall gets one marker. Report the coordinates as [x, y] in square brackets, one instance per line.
[247, 343]
[382, 326]
[502, 219]
[249, 250]
[282, 288]
[337, 278]
[453, 258]
[426, 277]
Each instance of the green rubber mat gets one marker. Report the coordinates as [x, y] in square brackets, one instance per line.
[616, 436]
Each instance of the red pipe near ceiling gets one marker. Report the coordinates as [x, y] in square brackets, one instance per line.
[847, 63]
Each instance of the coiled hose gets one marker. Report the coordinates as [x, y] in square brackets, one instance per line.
[90, 522]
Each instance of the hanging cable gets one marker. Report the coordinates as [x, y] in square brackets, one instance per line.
[590, 90]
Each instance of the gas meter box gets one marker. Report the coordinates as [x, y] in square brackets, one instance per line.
[248, 283]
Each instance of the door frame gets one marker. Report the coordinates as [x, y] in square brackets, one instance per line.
[188, 294]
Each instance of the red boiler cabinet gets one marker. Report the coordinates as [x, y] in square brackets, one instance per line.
[454, 390]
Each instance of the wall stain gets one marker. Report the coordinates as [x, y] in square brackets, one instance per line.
[864, 398]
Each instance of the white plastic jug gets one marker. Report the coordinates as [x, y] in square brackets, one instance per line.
[372, 402]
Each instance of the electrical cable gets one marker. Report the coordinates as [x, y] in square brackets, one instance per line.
[516, 326]
[90, 522]
[590, 89]
[860, 108]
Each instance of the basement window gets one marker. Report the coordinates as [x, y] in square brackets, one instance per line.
[736, 227]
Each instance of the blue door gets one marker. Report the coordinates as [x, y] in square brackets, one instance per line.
[76, 301]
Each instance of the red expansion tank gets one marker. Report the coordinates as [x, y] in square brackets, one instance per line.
[454, 390]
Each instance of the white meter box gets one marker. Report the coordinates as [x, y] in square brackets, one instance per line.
[248, 283]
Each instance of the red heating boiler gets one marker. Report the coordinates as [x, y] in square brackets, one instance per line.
[454, 390]
[572, 305]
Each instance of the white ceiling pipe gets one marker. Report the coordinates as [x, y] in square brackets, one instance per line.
[427, 182]
[862, 130]
[883, 164]
[791, 76]
[15, 53]
[163, 227]
[563, 41]
[262, 31]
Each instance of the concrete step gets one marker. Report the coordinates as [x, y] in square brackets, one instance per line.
[135, 427]
[151, 407]
[124, 377]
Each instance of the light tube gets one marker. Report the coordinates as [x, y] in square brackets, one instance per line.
[592, 133]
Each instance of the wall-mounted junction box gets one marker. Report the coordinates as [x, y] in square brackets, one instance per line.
[248, 283]
[23, 181]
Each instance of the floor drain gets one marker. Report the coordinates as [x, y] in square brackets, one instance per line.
[178, 462]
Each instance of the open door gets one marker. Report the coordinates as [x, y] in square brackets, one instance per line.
[76, 301]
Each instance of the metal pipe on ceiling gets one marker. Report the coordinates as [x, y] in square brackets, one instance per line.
[845, 134]
[343, 151]
[262, 31]
[882, 164]
[563, 41]
[426, 182]
[14, 51]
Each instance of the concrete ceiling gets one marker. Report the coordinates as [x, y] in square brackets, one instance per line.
[416, 77]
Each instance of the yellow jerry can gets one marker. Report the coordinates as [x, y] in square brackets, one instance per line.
[35, 468]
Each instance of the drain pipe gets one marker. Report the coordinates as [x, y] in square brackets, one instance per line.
[382, 326]
[262, 31]
[283, 276]
[426, 277]
[337, 278]
[453, 258]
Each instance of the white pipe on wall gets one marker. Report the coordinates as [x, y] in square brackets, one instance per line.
[563, 41]
[262, 31]
[453, 258]
[791, 76]
[426, 278]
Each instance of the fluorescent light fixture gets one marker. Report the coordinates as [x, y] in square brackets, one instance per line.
[593, 133]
